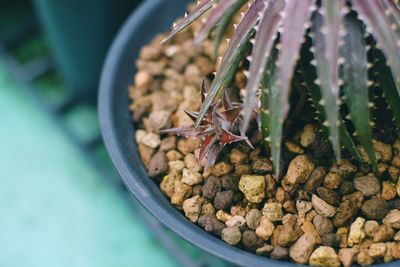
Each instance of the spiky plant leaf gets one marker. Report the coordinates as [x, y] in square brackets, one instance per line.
[294, 24]
[309, 73]
[271, 122]
[201, 8]
[386, 83]
[325, 28]
[345, 137]
[355, 77]
[238, 46]
[393, 9]
[224, 23]
[373, 14]
[271, 17]
[267, 81]
[215, 16]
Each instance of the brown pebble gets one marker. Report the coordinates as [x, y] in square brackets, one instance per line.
[262, 166]
[375, 209]
[145, 153]
[315, 180]
[251, 241]
[265, 250]
[270, 184]
[279, 253]
[229, 182]
[330, 240]
[158, 164]
[211, 187]
[368, 185]
[329, 196]
[347, 187]
[253, 218]
[223, 200]
[242, 169]
[211, 224]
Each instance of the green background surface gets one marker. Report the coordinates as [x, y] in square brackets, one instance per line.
[55, 210]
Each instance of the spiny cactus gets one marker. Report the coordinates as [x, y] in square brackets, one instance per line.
[341, 49]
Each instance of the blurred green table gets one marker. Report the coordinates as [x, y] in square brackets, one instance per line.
[54, 209]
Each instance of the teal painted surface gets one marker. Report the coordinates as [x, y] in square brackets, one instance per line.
[55, 210]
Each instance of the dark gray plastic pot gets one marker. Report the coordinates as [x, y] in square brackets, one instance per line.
[152, 17]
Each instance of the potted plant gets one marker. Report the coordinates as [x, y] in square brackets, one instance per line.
[290, 151]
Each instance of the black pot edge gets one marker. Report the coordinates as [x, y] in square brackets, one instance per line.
[213, 245]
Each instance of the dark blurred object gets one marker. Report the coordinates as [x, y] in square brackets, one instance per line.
[79, 33]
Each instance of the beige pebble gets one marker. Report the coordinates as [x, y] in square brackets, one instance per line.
[388, 257]
[207, 209]
[377, 250]
[235, 221]
[191, 162]
[322, 207]
[370, 228]
[181, 192]
[363, 258]
[273, 211]
[293, 148]
[392, 219]
[192, 208]
[160, 120]
[332, 180]
[222, 216]
[346, 256]
[308, 228]
[151, 140]
[383, 233]
[174, 155]
[265, 229]
[253, 187]
[190, 177]
[299, 169]
[388, 190]
[301, 250]
[176, 166]
[221, 169]
[325, 257]
[238, 157]
[356, 234]
[231, 235]
[142, 78]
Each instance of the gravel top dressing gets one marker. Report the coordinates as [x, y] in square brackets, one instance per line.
[319, 211]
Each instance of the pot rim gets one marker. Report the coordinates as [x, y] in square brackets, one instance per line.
[188, 231]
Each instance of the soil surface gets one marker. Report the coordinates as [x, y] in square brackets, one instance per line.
[319, 211]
